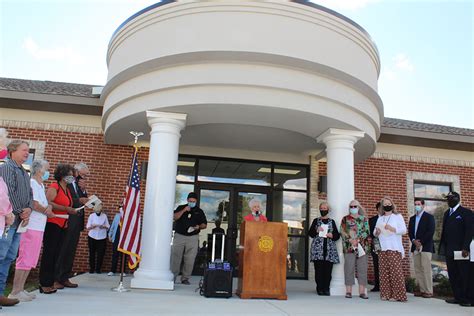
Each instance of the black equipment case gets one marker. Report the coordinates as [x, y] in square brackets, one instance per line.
[218, 274]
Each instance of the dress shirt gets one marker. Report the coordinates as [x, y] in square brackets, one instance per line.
[453, 209]
[417, 221]
[19, 190]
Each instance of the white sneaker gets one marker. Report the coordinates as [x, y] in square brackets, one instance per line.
[32, 295]
[22, 297]
[110, 274]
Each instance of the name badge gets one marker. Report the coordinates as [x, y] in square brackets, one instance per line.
[189, 215]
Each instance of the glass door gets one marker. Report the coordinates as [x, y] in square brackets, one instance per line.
[216, 206]
[225, 206]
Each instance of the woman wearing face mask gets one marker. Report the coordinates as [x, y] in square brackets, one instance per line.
[255, 214]
[60, 198]
[97, 225]
[31, 240]
[323, 249]
[355, 245]
[389, 229]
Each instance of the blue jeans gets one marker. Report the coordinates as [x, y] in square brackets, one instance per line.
[8, 251]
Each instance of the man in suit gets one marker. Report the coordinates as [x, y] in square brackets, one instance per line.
[73, 231]
[456, 237]
[375, 256]
[421, 229]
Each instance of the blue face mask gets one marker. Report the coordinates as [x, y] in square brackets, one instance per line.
[45, 176]
[192, 204]
[354, 210]
[418, 208]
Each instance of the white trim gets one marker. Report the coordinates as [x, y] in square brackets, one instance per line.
[439, 161]
[51, 127]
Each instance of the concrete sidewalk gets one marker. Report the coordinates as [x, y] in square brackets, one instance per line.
[94, 297]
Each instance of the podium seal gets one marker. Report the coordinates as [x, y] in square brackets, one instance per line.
[265, 243]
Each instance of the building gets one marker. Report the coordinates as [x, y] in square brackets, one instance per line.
[269, 108]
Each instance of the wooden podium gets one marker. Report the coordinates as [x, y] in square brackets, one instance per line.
[262, 261]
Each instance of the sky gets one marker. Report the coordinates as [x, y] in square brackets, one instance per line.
[425, 47]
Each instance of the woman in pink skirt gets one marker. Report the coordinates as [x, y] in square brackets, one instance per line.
[31, 240]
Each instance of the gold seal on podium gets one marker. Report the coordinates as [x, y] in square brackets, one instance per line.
[265, 243]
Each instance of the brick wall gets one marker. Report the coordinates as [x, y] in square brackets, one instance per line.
[109, 166]
[375, 178]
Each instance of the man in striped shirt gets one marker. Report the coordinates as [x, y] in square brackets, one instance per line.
[21, 199]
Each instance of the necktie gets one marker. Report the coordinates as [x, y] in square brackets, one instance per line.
[451, 211]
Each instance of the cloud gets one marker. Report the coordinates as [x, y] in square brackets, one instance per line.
[345, 4]
[403, 63]
[399, 64]
[60, 53]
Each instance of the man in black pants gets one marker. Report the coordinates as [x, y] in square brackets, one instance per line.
[456, 238]
[65, 261]
[375, 256]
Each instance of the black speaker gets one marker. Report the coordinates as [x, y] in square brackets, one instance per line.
[218, 280]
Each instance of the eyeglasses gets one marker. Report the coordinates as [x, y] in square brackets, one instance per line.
[353, 206]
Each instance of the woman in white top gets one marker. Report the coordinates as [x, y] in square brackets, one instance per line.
[97, 224]
[389, 229]
[32, 238]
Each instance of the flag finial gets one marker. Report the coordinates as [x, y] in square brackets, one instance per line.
[136, 135]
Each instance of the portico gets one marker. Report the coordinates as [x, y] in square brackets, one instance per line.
[293, 81]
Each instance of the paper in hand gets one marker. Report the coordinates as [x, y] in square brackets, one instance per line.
[22, 227]
[93, 200]
[458, 256]
[324, 232]
[360, 250]
[191, 229]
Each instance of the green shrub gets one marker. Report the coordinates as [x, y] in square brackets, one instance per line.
[410, 285]
[443, 288]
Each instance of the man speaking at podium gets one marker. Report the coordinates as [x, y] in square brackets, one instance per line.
[188, 220]
[256, 213]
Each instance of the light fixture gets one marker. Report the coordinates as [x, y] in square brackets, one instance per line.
[186, 163]
[280, 171]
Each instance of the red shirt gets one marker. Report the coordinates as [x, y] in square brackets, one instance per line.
[62, 198]
[251, 218]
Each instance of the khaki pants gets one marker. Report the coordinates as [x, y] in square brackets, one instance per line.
[350, 263]
[184, 248]
[423, 272]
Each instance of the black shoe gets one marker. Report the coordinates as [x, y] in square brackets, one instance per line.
[375, 289]
[451, 301]
[319, 293]
[465, 304]
[327, 293]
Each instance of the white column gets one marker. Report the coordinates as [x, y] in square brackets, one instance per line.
[340, 187]
[154, 271]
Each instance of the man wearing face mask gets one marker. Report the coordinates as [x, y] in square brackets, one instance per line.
[455, 240]
[77, 187]
[421, 229]
[189, 220]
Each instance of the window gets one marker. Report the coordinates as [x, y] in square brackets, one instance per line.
[237, 172]
[434, 195]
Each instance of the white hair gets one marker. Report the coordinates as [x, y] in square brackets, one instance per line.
[253, 202]
[80, 166]
[38, 166]
[3, 137]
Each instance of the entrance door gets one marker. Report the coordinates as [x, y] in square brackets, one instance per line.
[225, 205]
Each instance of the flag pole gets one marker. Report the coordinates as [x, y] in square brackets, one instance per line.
[120, 288]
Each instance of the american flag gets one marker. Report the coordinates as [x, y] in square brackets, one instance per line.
[130, 232]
